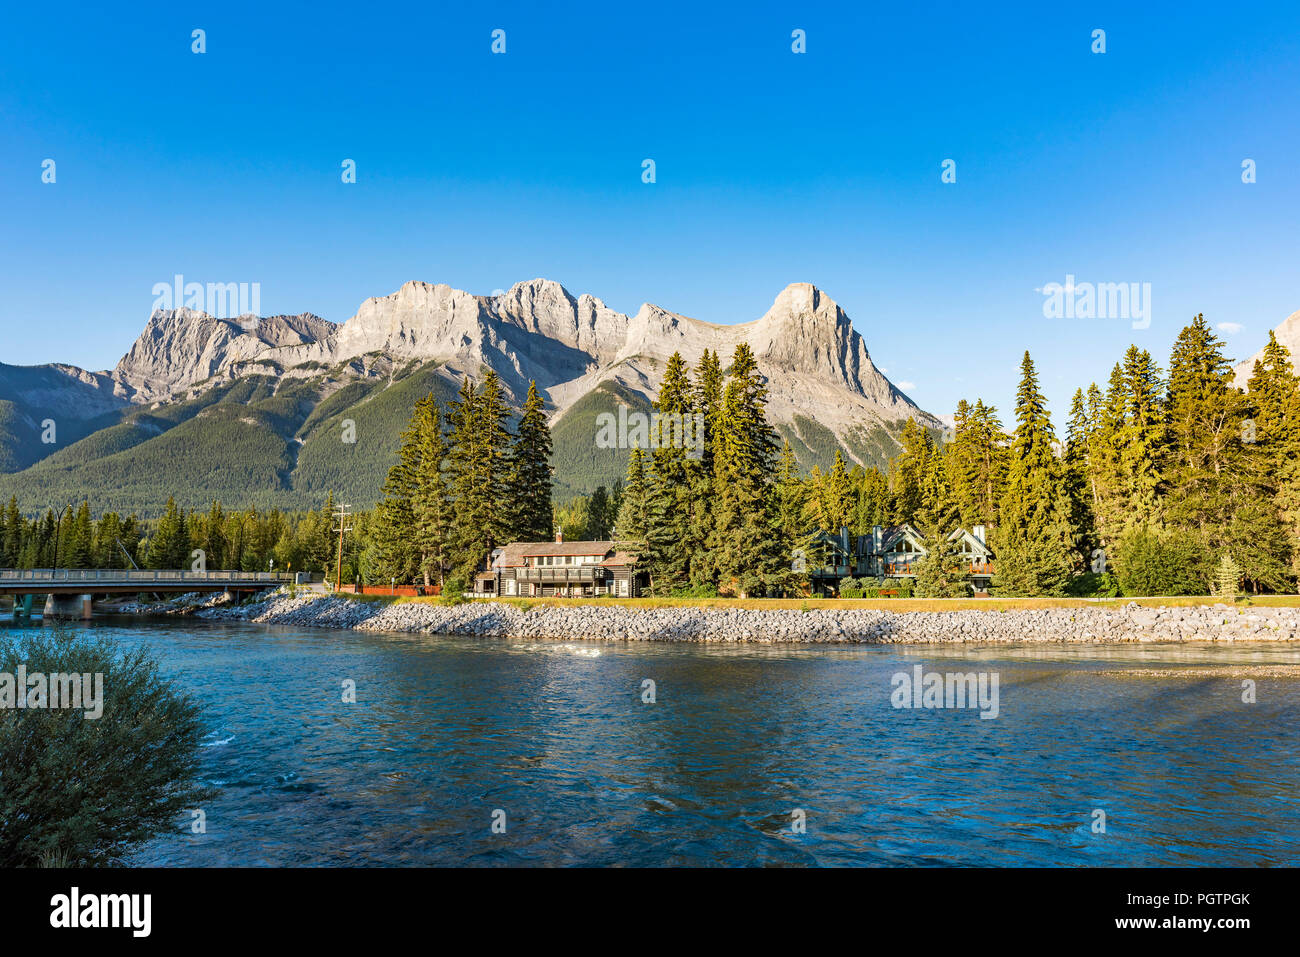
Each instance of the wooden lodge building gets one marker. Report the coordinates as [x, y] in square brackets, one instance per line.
[893, 552]
[561, 569]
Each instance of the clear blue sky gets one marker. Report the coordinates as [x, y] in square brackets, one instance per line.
[480, 170]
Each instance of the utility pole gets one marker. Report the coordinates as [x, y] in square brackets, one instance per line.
[342, 517]
[58, 531]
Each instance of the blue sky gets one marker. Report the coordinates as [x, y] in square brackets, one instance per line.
[480, 170]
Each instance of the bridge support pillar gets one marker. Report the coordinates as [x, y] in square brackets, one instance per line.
[68, 606]
[22, 606]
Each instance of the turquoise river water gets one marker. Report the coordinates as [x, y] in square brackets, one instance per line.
[748, 755]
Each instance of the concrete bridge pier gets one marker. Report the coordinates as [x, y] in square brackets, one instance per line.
[68, 606]
[22, 606]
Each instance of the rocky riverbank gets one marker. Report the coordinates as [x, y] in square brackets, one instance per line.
[851, 625]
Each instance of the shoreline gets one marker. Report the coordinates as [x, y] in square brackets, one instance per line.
[612, 623]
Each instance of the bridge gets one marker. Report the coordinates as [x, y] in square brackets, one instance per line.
[71, 591]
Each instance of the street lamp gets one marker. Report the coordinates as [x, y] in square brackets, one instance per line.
[394, 589]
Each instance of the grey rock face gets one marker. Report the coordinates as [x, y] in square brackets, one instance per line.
[180, 347]
[816, 364]
[1288, 334]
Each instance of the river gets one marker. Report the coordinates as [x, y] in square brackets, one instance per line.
[749, 755]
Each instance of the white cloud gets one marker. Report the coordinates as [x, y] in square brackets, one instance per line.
[1231, 328]
[907, 386]
[883, 370]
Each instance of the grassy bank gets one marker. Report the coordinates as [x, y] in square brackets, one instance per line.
[882, 604]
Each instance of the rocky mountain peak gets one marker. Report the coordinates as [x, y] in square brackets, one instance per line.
[1288, 334]
[816, 364]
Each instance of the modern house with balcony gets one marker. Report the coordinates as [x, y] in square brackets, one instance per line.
[893, 552]
[561, 569]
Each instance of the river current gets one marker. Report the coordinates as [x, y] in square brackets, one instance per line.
[493, 752]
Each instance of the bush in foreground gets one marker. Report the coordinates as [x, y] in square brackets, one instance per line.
[77, 791]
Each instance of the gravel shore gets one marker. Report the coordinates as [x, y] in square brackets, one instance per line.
[869, 626]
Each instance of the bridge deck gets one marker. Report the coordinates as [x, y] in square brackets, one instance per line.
[77, 581]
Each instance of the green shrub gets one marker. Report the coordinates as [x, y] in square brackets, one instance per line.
[78, 791]
[1153, 562]
[1093, 585]
[694, 591]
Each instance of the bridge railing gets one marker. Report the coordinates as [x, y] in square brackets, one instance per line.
[144, 576]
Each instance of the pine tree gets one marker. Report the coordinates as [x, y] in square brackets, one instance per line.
[1074, 478]
[411, 526]
[669, 550]
[1227, 578]
[598, 524]
[1205, 455]
[747, 545]
[789, 494]
[1034, 540]
[871, 500]
[631, 524]
[706, 403]
[1141, 438]
[905, 473]
[943, 572]
[1273, 460]
[13, 535]
[937, 512]
[839, 493]
[430, 503]
[478, 448]
[530, 473]
[1106, 475]
[77, 547]
[169, 547]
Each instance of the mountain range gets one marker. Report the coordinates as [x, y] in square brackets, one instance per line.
[254, 411]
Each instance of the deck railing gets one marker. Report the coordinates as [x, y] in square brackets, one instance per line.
[548, 574]
[909, 568]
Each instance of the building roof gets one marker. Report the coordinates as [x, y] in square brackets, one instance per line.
[893, 533]
[890, 535]
[515, 553]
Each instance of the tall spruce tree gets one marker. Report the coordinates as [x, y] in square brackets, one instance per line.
[707, 405]
[632, 521]
[1273, 396]
[1074, 478]
[395, 552]
[669, 490]
[747, 546]
[1142, 436]
[530, 473]
[169, 547]
[14, 527]
[1205, 453]
[478, 446]
[1034, 542]
[905, 473]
